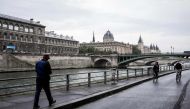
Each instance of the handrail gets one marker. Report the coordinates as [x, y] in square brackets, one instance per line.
[69, 80]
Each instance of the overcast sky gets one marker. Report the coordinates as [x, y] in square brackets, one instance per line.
[162, 22]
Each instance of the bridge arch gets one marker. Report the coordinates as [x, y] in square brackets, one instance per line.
[150, 62]
[173, 63]
[126, 62]
[102, 63]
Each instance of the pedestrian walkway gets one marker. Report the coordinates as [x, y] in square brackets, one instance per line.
[186, 100]
[63, 97]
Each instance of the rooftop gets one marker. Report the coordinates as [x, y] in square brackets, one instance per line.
[20, 19]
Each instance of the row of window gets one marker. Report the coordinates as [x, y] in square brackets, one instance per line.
[21, 28]
[27, 49]
[30, 39]
[60, 42]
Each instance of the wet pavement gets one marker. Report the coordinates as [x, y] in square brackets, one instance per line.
[25, 101]
[163, 94]
[149, 95]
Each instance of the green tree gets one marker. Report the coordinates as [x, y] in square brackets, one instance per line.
[135, 50]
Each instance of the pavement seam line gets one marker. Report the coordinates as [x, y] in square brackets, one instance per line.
[182, 96]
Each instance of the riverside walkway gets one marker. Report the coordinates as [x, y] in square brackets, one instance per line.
[74, 97]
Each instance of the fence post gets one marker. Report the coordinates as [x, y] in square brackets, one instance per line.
[142, 71]
[127, 73]
[105, 77]
[89, 79]
[113, 76]
[148, 71]
[117, 75]
[67, 82]
[135, 72]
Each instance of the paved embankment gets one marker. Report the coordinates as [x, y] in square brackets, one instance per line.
[76, 96]
[163, 94]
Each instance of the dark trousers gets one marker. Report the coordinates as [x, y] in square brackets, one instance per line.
[46, 86]
[156, 74]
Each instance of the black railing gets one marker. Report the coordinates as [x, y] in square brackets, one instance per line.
[11, 86]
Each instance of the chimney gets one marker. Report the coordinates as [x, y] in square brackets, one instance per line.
[31, 20]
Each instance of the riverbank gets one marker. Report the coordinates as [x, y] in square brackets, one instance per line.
[9, 62]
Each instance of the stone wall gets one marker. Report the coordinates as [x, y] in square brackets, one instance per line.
[26, 61]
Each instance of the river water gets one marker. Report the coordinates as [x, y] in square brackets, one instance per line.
[11, 82]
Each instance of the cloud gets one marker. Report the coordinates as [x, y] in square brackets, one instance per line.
[164, 22]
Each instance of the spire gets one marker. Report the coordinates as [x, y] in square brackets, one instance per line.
[140, 40]
[151, 46]
[93, 40]
[157, 47]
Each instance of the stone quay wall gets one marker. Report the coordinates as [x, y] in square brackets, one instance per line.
[57, 62]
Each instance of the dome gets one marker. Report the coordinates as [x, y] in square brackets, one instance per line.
[108, 37]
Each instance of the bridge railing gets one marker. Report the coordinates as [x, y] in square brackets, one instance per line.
[22, 85]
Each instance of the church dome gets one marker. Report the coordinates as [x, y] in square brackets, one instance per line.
[108, 37]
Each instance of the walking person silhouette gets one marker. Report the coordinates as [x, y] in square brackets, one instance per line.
[43, 71]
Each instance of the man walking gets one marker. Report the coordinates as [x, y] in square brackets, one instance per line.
[43, 70]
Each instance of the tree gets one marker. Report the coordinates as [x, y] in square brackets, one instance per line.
[135, 50]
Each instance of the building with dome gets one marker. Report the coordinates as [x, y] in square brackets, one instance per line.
[109, 44]
[108, 37]
[146, 49]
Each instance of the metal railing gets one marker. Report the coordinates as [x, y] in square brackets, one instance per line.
[11, 86]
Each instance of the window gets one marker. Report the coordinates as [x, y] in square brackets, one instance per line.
[5, 25]
[12, 36]
[31, 30]
[16, 27]
[31, 39]
[39, 40]
[21, 28]
[21, 38]
[39, 31]
[26, 29]
[6, 36]
[11, 26]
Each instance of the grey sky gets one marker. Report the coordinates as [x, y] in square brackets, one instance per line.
[162, 22]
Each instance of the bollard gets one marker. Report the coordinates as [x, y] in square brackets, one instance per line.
[105, 77]
[89, 79]
[67, 82]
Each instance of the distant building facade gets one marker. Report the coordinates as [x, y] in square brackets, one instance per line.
[27, 36]
[109, 44]
[145, 49]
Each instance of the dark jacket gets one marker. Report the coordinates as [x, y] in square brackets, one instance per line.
[178, 66]
[43, 70]
[156, 68]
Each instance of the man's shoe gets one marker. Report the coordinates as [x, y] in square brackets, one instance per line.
[52, 102]
[36, 107]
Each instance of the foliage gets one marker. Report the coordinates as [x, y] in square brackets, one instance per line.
[135, 50]
[93, 50]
